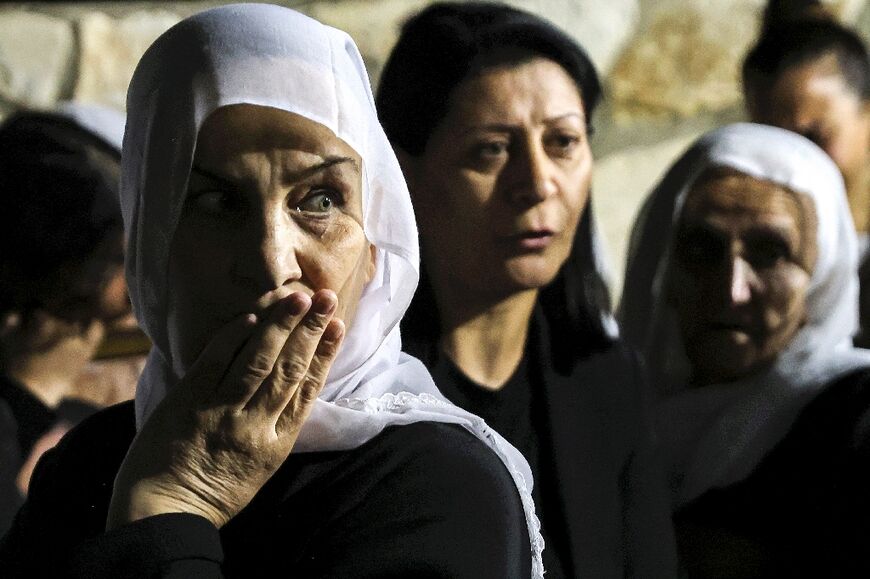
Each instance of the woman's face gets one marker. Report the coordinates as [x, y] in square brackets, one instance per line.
[93, 288]
[504, 179]
[274, 206]
[744, 252]
[814, 100]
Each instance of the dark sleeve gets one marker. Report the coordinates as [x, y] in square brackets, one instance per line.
[59, 531]
[651, 550]
[849, 520]
[170, 546]
[443, 506]
[10, 464]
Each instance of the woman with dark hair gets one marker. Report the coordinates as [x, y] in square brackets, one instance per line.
[811, 75]
[488, 108]
[278, 429]
[61, 277]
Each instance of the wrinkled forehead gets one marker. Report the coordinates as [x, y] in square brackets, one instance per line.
[726, 191]
[242, 128]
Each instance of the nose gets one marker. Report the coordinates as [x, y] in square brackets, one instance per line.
[537, 179]
[271, 259]
[741, 281]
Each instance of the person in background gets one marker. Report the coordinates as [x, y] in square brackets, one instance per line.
[746, 256]
[811, 75]
[489, 110]
[61, 276]
[272, 253]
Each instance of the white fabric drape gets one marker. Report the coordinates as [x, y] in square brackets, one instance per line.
[715, 435]
[272, 56]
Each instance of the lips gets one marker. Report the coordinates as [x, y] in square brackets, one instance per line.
[534, 240]
[732, 326]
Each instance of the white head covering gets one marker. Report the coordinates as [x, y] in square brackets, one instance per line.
[272, 56]
[716, 435]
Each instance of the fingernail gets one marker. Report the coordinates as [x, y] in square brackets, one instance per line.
[333, 332]
[297, 304]
[324, 303]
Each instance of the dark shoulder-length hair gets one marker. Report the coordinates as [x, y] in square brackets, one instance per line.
[438, 49]
[59, 200]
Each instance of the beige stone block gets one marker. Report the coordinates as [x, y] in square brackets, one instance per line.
[620, 183]
[685, 62]
[110, 50]
[374, 26]
[848, 11]
[36, 52]
[601, 28]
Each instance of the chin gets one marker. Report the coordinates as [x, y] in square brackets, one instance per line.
[531, 272]
[721, 363]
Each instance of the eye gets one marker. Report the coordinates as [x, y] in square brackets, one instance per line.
[491, 149]
[210, 202]
[766, 252]
[319, 201]
[563, 144]
[698, 249]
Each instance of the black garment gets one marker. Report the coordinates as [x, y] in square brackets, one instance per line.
[805, 509]
[24, 419]
[583, 424]
[424, 500]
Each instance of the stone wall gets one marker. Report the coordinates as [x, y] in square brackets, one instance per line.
[671, 69]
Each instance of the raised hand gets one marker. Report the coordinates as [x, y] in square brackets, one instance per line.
[219, 435]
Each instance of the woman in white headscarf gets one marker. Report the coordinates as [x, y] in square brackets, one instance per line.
[272, 253]
[741, 289]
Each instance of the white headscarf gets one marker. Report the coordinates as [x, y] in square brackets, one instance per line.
[714, 436]
[272, 56]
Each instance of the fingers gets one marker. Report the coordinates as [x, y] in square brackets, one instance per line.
[292, 366]
[258, 357]
[213, 362]
[296, 410]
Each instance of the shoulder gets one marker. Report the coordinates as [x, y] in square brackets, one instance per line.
[69, 493]
[431, 496]
[99, 442]
[76, 476]
[842, 410]
[615, 374]
[436, 458]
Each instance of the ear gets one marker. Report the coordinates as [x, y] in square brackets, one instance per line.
[372, 265]
[9, 323]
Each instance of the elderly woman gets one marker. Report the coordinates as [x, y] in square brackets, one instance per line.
[741, 286]
[272, 253]
[61, 276]
[488, 108]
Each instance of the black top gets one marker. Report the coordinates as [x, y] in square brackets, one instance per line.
[424, 500]
[805, 509]
[585, 428]
[24, 419]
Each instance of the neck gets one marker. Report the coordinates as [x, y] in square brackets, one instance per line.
[484, 337]
[49, 373]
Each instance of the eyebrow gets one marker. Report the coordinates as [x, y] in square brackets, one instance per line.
[327, 163]
[508, 128]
